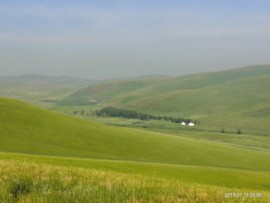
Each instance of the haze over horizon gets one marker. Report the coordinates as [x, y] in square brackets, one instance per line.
[105, 39]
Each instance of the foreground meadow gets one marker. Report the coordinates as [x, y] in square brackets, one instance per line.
[23, 180]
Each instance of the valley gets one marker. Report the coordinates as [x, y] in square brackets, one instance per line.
[141, 160]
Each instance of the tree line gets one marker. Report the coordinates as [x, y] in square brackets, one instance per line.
[118, 112]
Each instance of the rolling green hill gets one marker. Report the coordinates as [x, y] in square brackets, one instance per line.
[109, 90]
[235, 98]
[39, 88]
[28, 129]
[48, 156]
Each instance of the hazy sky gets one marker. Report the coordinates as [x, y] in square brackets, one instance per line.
[108, 39]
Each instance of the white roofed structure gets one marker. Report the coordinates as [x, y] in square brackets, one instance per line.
[191, 124]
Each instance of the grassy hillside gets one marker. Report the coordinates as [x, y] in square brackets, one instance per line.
[123, 90]
[61, 158]
[28, 129]
[106, 91]
[40, 88]
[236, 98]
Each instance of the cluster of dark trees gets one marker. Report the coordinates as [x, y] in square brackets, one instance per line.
[117, 112]
[238, 131]
[82, 112]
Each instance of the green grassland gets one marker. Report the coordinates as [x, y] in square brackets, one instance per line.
[27, 178]
[236, 98]
[212, 176]
[39, 89]
[202, 132]
[109, 89]
[60, 158]
[53, 157]
[28, 129]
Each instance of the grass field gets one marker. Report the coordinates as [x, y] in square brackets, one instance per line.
[53, 157]
[29, 129]
[201, 132]
[49, 179]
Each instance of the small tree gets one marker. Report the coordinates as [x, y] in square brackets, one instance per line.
[239, 131]
[222, 130]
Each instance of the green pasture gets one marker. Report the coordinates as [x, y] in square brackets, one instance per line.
[212, 176]
[48, 179]
[28, 129]
[47, 156]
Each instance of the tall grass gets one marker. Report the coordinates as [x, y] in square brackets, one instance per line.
[23, 181]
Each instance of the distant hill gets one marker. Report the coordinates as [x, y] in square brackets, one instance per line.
[28, 129]
[42, 80]
[229, 96]
[109, 90]
[33, 87]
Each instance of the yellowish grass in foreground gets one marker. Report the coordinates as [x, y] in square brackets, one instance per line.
[31, 182]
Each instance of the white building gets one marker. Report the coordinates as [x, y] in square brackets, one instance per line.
[183, 123]
[191, 124]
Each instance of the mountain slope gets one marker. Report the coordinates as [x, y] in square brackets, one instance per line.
[230, 96]
[25, 128]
